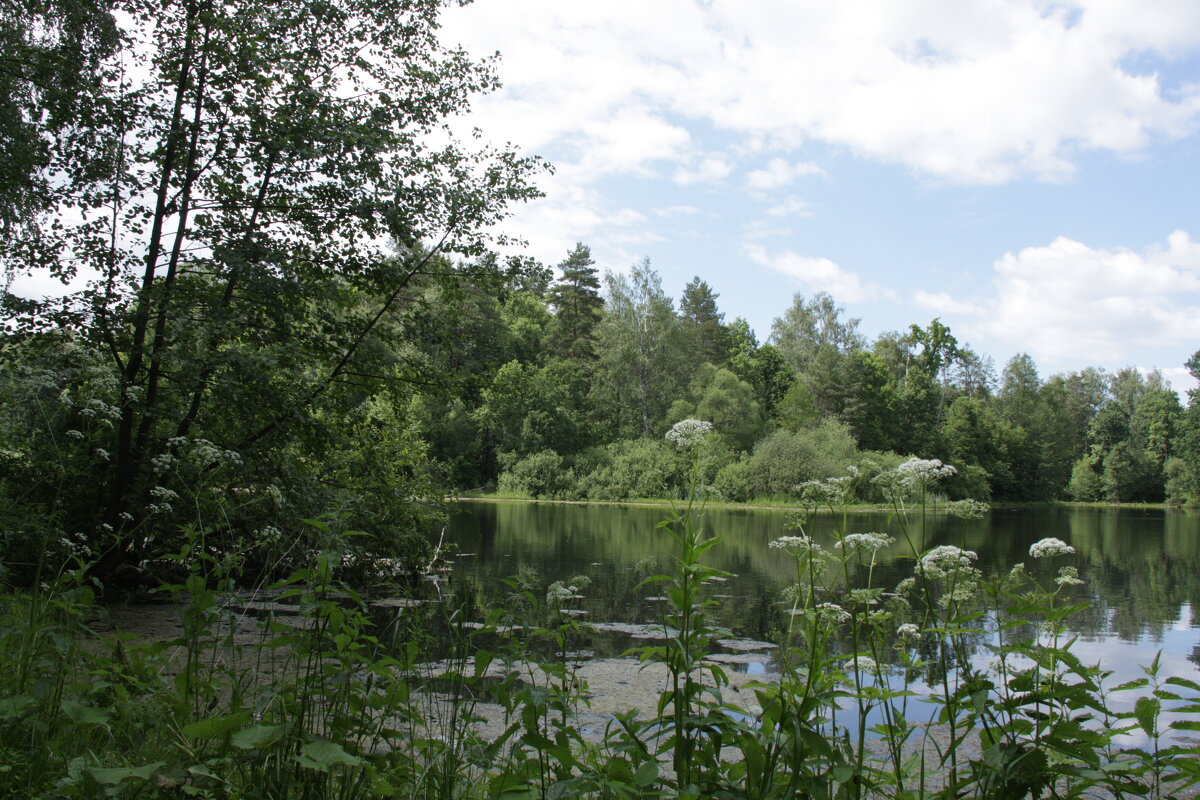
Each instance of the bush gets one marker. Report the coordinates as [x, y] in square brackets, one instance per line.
[544, 474]
[733, 481]
[1086, 485]
[635, 468]
[786, 458]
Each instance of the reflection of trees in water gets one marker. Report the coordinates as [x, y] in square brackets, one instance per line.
[1140, 567]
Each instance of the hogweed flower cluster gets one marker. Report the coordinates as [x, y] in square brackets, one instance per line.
[966, 509]
[688, 433]
[829, 492]
[918, 473]
[1068, 576]
[908, 634]
[796, 545]
[832, 612]
[945, 561]
[1049, 547]
[864, 543]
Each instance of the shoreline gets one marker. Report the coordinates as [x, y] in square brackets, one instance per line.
[857, 508]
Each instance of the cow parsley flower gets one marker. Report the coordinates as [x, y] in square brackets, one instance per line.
[946, 560]
[865, 543]
[687, 433]
[796, 545]
[1050, 547]
[966, 509]
[829, 492]
[833, 612]
[908, 633]
[1068, 576]
[917, 473]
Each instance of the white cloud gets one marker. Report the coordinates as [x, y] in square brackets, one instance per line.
[1068, 302]
[708, 169]
[975, 92]
[676, 211]
[792, 206]
[818, 274]
[779, 173]
[943, 303]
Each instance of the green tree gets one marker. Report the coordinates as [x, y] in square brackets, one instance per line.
[577, 305]
[258, 167]
[813, 339]
[643, 353]
[57, 58]
[762, 366]
[718, 396]
[703, 323]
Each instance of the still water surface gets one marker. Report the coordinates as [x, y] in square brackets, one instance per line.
[1141, 568]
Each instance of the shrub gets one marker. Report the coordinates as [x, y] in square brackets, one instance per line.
[543, 474]
[786, 458]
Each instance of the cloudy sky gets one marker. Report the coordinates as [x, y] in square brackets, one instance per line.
[1026, 171]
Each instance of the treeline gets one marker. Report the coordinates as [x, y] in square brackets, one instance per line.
[568, 385]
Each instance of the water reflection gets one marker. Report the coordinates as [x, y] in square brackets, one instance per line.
[1141, 567]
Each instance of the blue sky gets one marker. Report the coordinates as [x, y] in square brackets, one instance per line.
[1025, 171]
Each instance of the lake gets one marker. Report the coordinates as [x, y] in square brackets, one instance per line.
[1140, 567]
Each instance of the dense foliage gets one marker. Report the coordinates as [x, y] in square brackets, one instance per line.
[586, 421]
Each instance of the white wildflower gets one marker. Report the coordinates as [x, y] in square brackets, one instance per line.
[966, 509]
[125, 515]
[945, 560]
[163, 462]
[917, 473]
[796, 545]
[163, 493]
[909, 632]
[74, 434]
[866, 664]
[829, 492]
[101, 453]
[688, 433]
[961, 590]
[205, 453]
[866, 597]
[866, 543]
[1017, 570]
[833, 612]
[1050, 547]
[1068, 576]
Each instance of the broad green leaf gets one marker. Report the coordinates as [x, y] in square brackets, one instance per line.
[323, 755]
[15, 707]
[84, 714]
[114, 775]
[1146, 711]
[257, 737]
[216, 726]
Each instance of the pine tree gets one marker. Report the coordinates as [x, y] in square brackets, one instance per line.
[703, 323]
[577, 307]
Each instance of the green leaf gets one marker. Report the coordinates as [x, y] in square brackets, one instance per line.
[1175, 680]
[323, 755]
[84, 714]
[113, 776]
[1146, 711]
[256, 737]
[15, 707]
[646, 774]
[216, 726]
